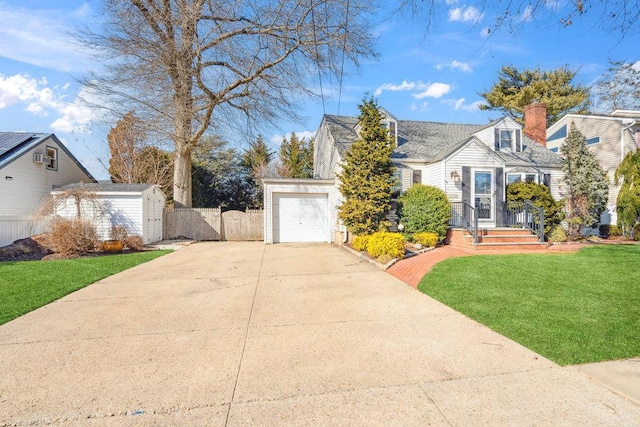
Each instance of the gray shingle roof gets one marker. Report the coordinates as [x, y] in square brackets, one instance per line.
[106, 186]
[434, 141]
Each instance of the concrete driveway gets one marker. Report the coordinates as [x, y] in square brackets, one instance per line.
[242, 333]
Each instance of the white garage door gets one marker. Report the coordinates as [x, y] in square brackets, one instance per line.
[300, 217]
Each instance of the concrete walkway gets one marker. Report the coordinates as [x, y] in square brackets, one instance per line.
[232, 334]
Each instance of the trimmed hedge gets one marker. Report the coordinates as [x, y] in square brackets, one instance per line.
[427, 239]
[386, 243]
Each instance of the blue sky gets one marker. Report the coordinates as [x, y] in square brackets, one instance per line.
[433, 76]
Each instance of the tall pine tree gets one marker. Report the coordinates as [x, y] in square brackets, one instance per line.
[296, 157]
[367, 180]
[587, 185]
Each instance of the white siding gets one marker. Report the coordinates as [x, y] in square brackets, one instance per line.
[609, 151]
[323, 153]
[472, 155]
[13, 228]
[487, 135]
[31, 182]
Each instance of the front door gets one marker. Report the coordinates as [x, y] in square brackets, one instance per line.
[483, 194]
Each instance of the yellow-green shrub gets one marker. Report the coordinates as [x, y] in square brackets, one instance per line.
[426, 239]
[385, 243]
[557, 234]
[360, 242]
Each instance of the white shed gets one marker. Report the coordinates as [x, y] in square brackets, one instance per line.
[138, 207]
[299, 210]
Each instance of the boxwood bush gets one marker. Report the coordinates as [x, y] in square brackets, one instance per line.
[427, 239]
[424, 208]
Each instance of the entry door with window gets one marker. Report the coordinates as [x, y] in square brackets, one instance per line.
[483, 194]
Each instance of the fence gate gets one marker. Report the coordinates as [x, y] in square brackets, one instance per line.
[238, 225]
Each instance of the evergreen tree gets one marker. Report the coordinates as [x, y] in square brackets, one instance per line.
[516, 89]
[367, 180]
[296, 157]
[587, 185]
[257, 163]
[628, 203]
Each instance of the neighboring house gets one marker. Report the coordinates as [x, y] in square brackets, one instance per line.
[31, 165]
[138, 207]
[609, 136]
[470, 163]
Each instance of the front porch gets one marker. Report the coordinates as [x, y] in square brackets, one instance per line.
[514, 226]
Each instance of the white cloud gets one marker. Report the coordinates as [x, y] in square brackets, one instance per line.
[527, 15]
[457, 65]
[435, 90]
[405, 85]
[41, 37]
[459, 104]
[465, 14]
[485, 32]
[41, 100]
[422, 107]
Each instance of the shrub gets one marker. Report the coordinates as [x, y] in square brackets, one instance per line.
[426, 239]
[540, 196]
[360, 242]
[134, 243]
[72, 236]
[425, 209]
[609, 230]
[385, 243]
[557, 234]
[119, 232]
[636, 231]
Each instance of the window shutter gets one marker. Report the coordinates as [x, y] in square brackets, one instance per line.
[496, 144]
[518, 140]
[466, 184]
[546, 179]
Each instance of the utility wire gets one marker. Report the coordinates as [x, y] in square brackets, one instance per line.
[315, 42]
[344, 48]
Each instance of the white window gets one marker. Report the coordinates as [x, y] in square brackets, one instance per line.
[506, 140]
[52, 158]
[522, 177]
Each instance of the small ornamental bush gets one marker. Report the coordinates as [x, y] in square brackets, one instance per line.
[429, 240]
[72, 236]
[425, 209]
[119, 232]
[557, 234]
[636, 231]
[134, 243]
[360, 242]
[385, 243]
[540, 196]
[614, 230]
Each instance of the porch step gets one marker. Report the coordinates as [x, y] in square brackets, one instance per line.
[496, 239]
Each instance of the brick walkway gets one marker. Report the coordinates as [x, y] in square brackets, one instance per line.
[412, 270]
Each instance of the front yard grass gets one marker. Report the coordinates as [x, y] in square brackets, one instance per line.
[27, 285]
[571, 308]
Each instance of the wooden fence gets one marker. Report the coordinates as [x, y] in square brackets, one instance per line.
[213, 224]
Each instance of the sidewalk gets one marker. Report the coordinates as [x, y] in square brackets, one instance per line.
[412, 270]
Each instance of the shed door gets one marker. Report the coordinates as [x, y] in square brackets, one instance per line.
[301, 217]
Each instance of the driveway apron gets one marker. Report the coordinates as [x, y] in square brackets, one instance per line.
[226, 333]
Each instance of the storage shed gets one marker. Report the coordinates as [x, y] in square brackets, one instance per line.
[138, 207]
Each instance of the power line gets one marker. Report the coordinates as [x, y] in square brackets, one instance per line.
[315, 42]
[344, 48]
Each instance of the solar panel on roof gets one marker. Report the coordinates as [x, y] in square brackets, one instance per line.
[10, 140]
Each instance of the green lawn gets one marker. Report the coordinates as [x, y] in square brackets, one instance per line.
[571, 308]
[27, 285]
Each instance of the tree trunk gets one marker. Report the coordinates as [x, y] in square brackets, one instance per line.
[182, 177]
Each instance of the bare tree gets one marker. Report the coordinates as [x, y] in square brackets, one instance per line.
[134, 160]
[619, 16]
[188, 65]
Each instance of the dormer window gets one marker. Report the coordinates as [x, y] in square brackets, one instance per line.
[392, 126]
[52, 158]
[508, 140]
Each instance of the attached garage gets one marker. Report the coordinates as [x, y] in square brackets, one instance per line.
[299, 210]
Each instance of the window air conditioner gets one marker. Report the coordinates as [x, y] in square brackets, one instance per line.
[38, 157]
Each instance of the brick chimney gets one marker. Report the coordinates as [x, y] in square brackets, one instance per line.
[535, 122]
